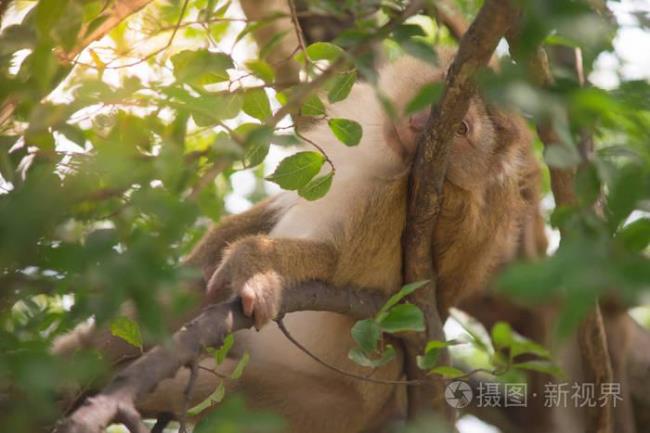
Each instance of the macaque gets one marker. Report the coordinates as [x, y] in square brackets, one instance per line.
[352, 237]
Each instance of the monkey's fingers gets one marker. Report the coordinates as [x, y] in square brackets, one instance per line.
[261, 298]
[248, 300]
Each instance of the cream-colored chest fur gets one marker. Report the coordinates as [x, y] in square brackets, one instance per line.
[362, 219]
[363, 213]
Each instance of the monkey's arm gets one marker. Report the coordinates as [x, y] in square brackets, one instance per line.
[207, 254]
[258, 268]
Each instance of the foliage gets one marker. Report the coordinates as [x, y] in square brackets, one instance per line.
[114, 162]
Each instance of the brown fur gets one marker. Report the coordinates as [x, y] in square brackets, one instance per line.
[477, 229]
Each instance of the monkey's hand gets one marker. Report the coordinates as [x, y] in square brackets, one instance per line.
[247, 272]
[258, 268]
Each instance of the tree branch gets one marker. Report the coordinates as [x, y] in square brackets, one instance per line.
[117, 400]
[426, 181]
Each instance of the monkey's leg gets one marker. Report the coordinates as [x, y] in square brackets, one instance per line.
[258, 268]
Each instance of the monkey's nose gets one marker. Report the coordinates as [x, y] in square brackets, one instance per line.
[418, 121]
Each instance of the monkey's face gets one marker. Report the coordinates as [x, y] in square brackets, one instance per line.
[475, 158]
[472, 149]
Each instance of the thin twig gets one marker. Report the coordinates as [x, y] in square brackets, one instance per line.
[298, 30]
[319, 148]
[307, 352]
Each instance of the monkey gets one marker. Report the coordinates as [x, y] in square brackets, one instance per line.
[352, 237]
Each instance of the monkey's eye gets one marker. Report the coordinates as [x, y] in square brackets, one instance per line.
[463, 128]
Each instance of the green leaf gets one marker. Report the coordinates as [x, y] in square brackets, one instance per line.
[587, 184]
[72, 133]
[207, 109]
[94, 24]
[546, 367]
[320, 51]
[42, 139]
[447, 372]
[317, 187]
[128, 330]
[313, 106]
[241, 365]
[219, 29]
[221, 11]
[403, 317]
[297, 170]
[47, 14]
[221, 353]
[346, 131]
[436, 344]
[16, 37]
[556, 39]
[261, 69]
[431, 354]
[630, 185]
[361, 358]
[521, 345]
[407, 31]
[201, 67]
[272, 43]
[561, 156]
[501, 335]
[341, 86]
[420, 49]
[367, 334]
[214, 398]
[7, 166]
[636, 235]
[428, 95]
[256, 104]
[428, 360]
[406, 290]
[66, 31]
[257, 141]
